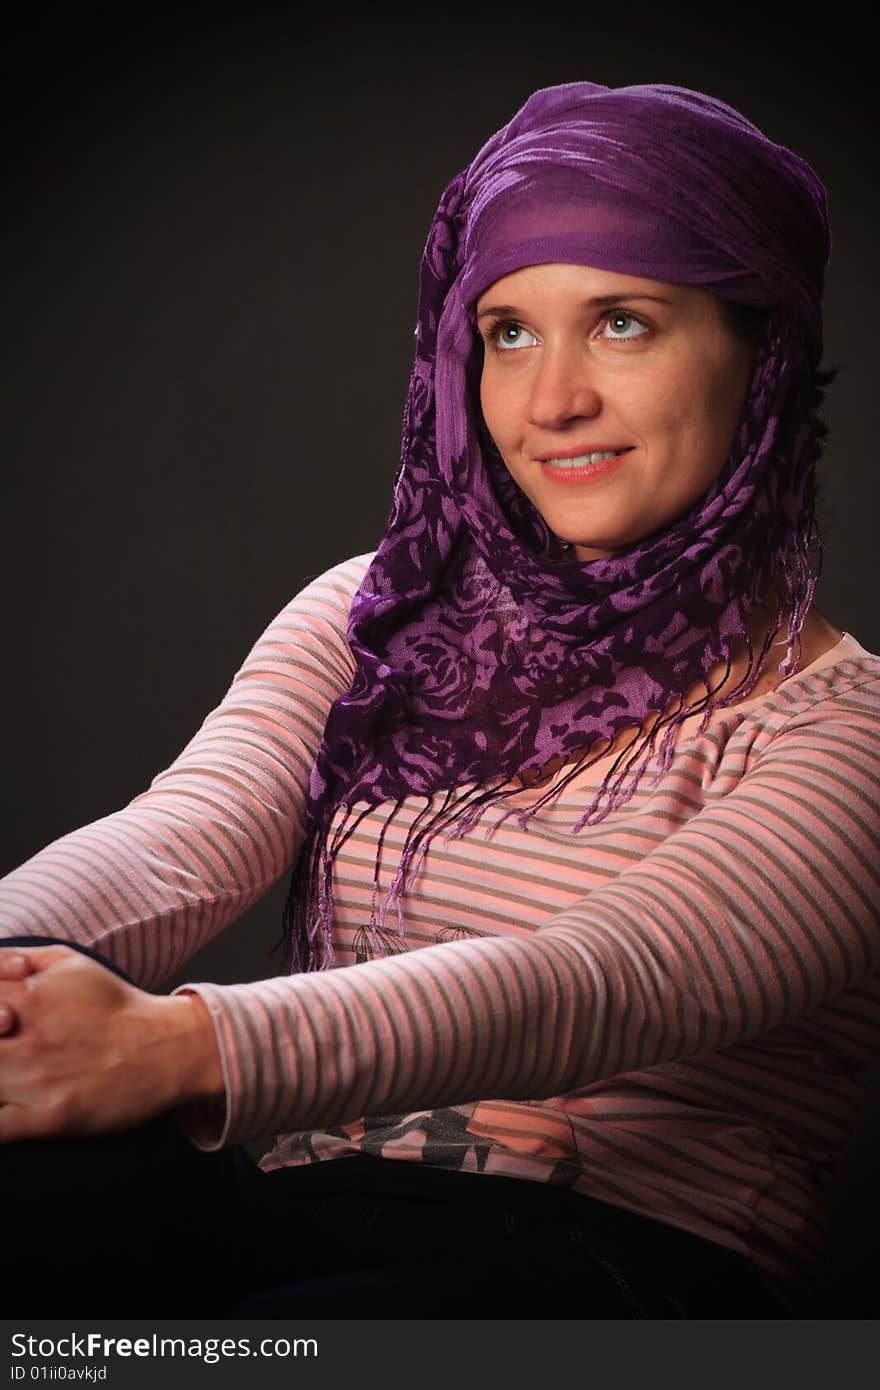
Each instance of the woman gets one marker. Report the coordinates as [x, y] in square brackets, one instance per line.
[576, 730]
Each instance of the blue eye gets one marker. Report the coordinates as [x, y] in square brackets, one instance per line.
[618, 319]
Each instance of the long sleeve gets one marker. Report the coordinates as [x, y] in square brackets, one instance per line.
[760, 908]
[151, 883]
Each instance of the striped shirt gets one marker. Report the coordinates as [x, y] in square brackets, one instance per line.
[667, 1011]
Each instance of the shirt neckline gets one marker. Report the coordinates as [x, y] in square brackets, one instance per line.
[847, 649]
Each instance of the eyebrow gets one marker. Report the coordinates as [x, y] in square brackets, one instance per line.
[598, 301]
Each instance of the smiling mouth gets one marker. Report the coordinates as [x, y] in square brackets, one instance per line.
[584, 460]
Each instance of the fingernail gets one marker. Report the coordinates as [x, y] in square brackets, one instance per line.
[14, 960]
[5, 1016]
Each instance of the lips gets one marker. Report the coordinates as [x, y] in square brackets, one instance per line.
[580, 470]
[583, 460]
[584, 453]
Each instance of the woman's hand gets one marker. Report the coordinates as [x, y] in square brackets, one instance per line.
[84, 1052]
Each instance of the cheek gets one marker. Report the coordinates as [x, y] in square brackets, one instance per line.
[723, 402]
[488, 394]
[698, 402]
[656, 410]
[723, 382]
[497, 407]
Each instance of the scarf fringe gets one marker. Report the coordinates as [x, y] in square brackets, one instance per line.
[308, 915]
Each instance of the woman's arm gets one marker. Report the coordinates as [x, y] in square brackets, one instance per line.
[763, 906]
[150, 884]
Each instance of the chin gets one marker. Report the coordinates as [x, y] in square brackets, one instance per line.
[601, 546]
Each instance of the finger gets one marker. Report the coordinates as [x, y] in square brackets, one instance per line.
[8, 1019]
[14, 965]
[36, 958]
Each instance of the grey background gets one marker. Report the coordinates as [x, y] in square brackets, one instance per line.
[210, 261]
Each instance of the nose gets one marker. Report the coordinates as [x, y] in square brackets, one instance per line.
[562, 389]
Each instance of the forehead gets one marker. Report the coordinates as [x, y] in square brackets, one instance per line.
[582, 286]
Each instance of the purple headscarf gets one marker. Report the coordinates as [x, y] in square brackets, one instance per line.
[482, 649]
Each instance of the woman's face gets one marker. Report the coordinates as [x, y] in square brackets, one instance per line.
[579, 361]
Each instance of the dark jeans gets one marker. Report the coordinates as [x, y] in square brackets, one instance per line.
[142, 1224]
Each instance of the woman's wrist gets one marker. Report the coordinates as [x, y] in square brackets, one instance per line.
[197, 1063]
[199, 1100]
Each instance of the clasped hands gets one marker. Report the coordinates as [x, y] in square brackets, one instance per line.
[82, 1051]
